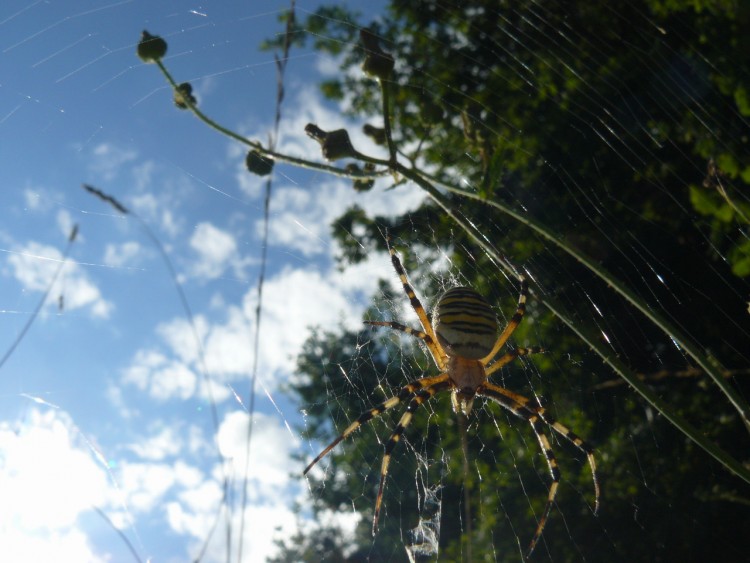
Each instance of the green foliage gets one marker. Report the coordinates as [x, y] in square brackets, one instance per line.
[346, 373]
[605, 127]
[710, 203]
[551, 95]
[631, 118]
[325, 545]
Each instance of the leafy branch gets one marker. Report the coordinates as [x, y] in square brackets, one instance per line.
[336, 145]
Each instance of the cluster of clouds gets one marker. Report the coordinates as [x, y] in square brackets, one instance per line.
[54, 474]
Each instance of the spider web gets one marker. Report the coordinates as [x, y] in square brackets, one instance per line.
[109, 449]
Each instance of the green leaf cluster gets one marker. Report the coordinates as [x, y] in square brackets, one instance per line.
[624, 131]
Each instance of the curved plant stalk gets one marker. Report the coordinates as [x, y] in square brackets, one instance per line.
[709, 364]
[256, 145]
[43, 299]
[281, 63]
[607, 356]
[202, 365]
[428, 184]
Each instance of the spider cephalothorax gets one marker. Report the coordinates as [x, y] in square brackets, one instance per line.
[463, 342]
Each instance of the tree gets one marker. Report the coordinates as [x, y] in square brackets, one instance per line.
[610, 126]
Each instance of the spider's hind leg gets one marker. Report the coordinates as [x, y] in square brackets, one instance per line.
[367, 416]
[579, 443]
[518, 405]
[421, 396]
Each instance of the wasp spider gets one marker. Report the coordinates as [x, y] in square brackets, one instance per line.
[463, 342]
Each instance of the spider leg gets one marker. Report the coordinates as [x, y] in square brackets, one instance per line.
[521, 410]
[432, 343]
[515, 320]
[561, 429]
[581, 444]
[426, 338]
[406, 391]
[402, 328]
[510, 356]
[421, 396]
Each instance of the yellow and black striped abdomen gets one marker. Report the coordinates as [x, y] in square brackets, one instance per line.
[464, 323]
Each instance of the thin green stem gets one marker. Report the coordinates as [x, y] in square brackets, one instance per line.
[42, 300]
[643, 390]
[387, 120]
[709, 364]
[280, 72]
[280, 157]
[605, 354]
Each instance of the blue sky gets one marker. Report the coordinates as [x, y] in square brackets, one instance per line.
[102, 405]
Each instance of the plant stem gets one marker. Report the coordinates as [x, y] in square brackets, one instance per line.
[708, 363]
[606, 355]
[299, 162]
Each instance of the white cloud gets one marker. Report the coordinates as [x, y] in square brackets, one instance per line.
[263, 523]
[229, 344]
[328, 66]
[303, 212]
[145, 484]
[42, 199]
[65, 222]
[162, 378]
[50, 477]
[180, 336]
[270, 492]
[165, 444]
[120, 255]
[153, 209]
[32, 199]
[303, 216]
[270, 450]
[216, 250]
[108, 159]
[143, 174]
[196, 509]
[116, 397]
[294, 300]
[34, 266]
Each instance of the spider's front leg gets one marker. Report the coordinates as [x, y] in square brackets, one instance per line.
[367, 416]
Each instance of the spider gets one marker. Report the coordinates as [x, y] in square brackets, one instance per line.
[462, 340]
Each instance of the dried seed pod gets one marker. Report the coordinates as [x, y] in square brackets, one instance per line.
[151, 48]
[377, 134]
[334, 145]
[365, 184]
[258, 164]
[183, 96]
[378, 64]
